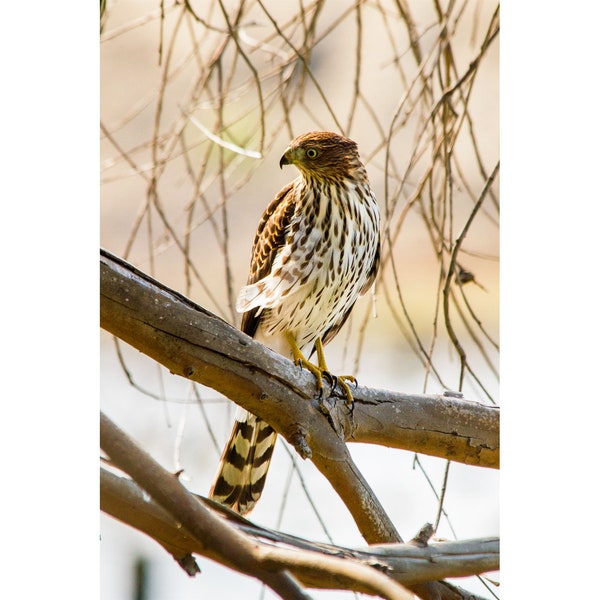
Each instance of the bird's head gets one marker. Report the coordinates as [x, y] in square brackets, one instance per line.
[324, 155]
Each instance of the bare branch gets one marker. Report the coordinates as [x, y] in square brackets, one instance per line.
[212, 536]
[408, 564]
[193, 343]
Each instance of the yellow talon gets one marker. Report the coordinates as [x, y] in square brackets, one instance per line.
[320, 370]
[341, 379]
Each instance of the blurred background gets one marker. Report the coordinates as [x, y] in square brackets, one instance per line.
[198, 102]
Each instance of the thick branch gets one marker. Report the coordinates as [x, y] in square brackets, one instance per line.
[212, 536]
[193, 343]
[406, 563]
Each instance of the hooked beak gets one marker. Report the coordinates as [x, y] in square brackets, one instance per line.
[285, 159]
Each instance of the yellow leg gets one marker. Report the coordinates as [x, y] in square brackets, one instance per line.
[320, 370]
[301, 361]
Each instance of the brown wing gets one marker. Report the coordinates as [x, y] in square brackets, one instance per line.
[269, 238]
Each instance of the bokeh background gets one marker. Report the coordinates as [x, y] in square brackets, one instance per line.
[197, 106]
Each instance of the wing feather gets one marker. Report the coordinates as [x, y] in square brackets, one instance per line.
[268, 241]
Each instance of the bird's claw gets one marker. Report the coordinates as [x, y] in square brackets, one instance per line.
[332, 378]
[320, 372]
[341, 379]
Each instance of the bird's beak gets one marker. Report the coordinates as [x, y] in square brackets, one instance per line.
[285, 159]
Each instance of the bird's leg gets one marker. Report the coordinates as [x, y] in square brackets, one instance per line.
[335, 379]
[320, 370]
[301, 361]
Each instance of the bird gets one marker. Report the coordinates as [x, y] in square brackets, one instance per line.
[315, 252]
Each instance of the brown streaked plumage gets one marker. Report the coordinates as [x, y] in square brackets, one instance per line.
[316, 250]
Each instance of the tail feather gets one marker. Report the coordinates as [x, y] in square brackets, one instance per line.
[244, 463]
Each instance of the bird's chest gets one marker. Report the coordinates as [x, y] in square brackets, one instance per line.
[336, 237]
[333, 243]
[329, 252]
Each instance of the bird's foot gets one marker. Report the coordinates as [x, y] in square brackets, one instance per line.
[317, 371]
[334, 380]
[320, 371]
[342, 381]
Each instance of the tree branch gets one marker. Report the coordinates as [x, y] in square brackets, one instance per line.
[193, 343]
[213, 537]
[405, 563]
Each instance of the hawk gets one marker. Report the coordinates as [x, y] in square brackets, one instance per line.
[315, 252]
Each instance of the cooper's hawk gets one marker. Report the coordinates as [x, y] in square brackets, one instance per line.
[315, 252]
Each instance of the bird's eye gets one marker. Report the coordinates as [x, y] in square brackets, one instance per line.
[312, 153]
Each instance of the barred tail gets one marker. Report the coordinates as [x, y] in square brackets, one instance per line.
[244, 464]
